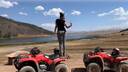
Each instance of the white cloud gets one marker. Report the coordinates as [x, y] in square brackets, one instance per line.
[74, 12]
[102, 14]
[119, 13]
[15, 3]
[39, 8]
[4, 15]
[7, 4]
[48, 26]
[53, 12]
[23, 13]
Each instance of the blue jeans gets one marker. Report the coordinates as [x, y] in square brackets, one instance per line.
[61, 40]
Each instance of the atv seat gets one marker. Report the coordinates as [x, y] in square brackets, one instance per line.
[53, 56]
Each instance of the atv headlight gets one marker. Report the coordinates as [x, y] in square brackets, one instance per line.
[47, 56]
[43, 67]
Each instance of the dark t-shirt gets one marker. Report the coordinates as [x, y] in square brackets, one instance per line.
[60, 24]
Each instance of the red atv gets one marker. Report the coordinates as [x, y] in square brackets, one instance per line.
[99, 61]
[39, 62]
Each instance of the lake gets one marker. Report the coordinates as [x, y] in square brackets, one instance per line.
[43, 39]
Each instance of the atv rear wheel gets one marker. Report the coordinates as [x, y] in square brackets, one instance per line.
[61, 68]
[123, 68]
[27, 69]
[93, 67]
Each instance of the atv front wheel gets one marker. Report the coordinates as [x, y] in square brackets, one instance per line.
[123, 68]
[61, 68]
[85, 58]
[93, 67]
[27, 69]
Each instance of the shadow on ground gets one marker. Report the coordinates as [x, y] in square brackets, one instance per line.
[83, 70]
[78, 70]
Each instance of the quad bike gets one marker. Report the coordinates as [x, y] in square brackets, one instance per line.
[102, 61]
[39, 62]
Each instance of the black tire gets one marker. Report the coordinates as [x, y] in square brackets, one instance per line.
[123, 68]
[61, 68]
[85, 58]
[78, 70]
[16, 61]
[93, 67]
[27, 69]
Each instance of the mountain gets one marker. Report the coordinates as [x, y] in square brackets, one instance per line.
[124, 30]
[97, 32]
[13, 28]
[112, 33]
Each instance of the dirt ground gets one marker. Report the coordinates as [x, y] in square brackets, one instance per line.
[75, 50]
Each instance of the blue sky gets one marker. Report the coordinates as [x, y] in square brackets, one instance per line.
[86, 15]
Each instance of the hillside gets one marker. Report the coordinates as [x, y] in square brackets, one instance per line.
[14, 28]
[119, 33]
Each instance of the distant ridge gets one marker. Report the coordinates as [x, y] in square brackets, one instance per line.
[13, 28]
[124, 30]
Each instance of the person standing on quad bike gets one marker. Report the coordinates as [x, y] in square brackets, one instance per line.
[60, 30]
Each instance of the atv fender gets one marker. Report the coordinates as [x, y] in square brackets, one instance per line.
[29, 62]
[58, 60]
